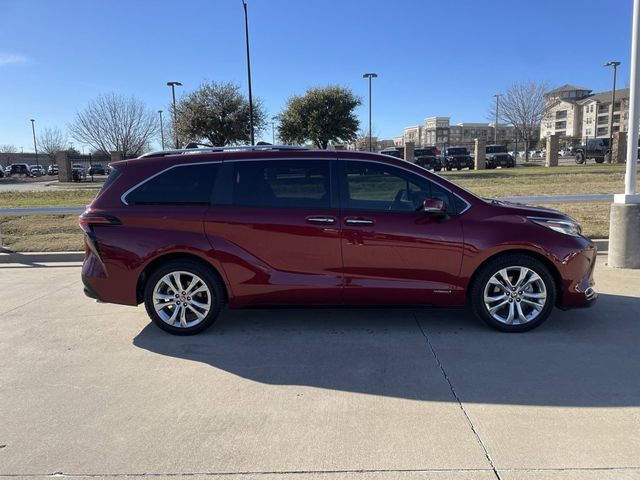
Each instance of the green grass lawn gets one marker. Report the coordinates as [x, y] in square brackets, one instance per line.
[53, 198]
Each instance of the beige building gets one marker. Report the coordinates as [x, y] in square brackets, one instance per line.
[596, 114]
[439, 132]
[563, 116]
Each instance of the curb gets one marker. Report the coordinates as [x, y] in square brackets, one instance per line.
[7, 256]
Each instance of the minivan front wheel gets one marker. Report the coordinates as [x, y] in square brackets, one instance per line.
[183, 297]
[513, 293]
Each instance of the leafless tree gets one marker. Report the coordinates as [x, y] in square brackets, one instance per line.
[52, 141]
[523, 105]
[115, 123]
[7, 148]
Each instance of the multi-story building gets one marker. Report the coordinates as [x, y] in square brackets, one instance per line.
[439, 132]
[436, 131]
[596, 114]
[563, 116]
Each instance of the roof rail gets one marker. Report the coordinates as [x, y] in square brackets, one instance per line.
[195, 148]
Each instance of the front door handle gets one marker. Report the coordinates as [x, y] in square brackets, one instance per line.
[358, 221]
[321, 220]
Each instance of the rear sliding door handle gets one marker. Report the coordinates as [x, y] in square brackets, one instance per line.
[358, 221]
[321, 220]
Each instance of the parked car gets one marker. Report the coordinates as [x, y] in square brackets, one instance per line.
[458, 158]
[96, 169]
[77, 172]
[392, 152]
[37, 170]
[186, 234]
[19, 169]
[596, 148]
[428, 157]
[497, 156]
[1, 172]
[53, 169]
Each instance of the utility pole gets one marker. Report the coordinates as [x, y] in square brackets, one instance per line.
[35, 145]
[370, 75]
[495, 125]
[246, 34]
[173, 86]
[613, 105]
[161, 129]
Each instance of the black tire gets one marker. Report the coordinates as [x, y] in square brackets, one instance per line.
[449, 169]
[437, 169]
[599, 159]
[511, 263]
[579, 158]
[206, 275]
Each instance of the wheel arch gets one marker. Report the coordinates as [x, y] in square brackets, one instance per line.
[555, 273]
[162, 259]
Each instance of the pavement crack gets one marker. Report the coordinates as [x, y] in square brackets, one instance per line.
[455, 395]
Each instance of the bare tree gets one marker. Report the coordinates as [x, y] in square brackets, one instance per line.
[115, 123]
[52, 141]
[7, 148]
[523, 105]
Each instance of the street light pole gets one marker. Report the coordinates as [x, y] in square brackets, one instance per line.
[161, 129]
[370, 75]
[173, 86]
[35, 145]
[246, 34]
[495, 125]
[613, 105]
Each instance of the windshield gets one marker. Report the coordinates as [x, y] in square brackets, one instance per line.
[496, 149]
[457, 151]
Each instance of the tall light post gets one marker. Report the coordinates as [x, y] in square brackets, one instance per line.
[495, 125]
[246, 34]
[161, 129]
[35, 145]
[173, 86]
[613, 105]
[370, 76]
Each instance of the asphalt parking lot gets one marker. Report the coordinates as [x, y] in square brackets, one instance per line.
[90, 390]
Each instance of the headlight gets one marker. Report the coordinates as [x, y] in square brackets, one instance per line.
[563, 226]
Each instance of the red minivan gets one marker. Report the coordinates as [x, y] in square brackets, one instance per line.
[190, 231]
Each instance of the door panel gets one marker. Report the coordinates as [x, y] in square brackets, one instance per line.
[279, 239]
[393, 254]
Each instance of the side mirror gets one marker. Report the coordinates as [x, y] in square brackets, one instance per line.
[433, 206]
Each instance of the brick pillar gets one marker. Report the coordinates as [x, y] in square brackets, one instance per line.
[409, 150]
[480, 155]
[551, 159]
[64, 166]
[619, 148]
[115, 156]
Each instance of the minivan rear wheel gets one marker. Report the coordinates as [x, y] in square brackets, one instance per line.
[183, 297]
[513, 293]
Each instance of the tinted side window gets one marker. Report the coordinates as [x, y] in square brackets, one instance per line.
[282, 183]
[188, 184]
[374, 186]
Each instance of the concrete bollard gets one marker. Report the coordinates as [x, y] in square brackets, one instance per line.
[551, 158]
[624, 235]
[480, 155]
[64, 166]
[409, 151]
[619, 147]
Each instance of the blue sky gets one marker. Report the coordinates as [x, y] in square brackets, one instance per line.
[432, 57]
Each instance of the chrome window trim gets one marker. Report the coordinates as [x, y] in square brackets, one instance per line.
[124, 195]
[414, 173]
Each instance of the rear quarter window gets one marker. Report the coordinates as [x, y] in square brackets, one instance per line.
[180, 185]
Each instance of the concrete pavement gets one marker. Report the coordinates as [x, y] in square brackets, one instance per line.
[93, 390]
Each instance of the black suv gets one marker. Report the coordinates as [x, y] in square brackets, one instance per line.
[97, 169]
[19, 169]
[596, 148]
[428, 158]
[457, 157]
[497, 156]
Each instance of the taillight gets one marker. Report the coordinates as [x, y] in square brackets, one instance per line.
[93, 218]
